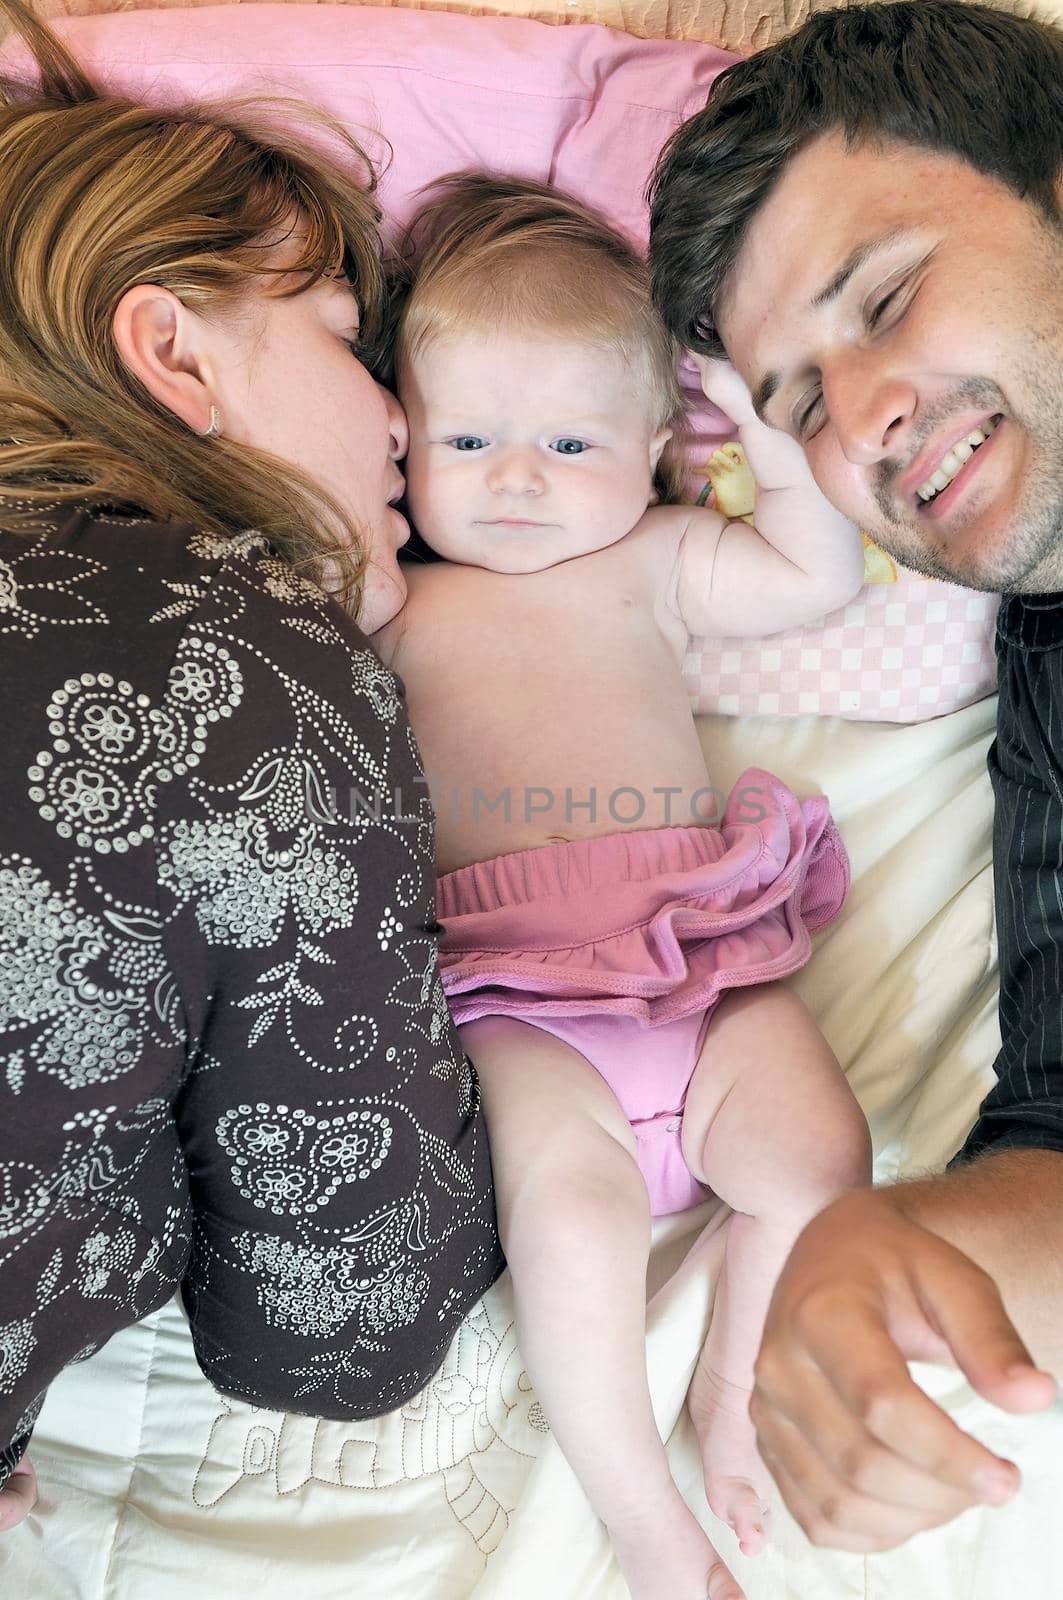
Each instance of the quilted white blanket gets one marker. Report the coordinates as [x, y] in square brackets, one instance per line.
[153, 1486]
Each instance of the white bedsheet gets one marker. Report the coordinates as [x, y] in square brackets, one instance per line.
[154, 1488]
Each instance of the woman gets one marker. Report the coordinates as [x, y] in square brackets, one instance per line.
[227, 1062]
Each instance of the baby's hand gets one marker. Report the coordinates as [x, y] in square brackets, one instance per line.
[722, 385]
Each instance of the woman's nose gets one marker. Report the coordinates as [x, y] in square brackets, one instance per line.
[870, 409]
[398, 428]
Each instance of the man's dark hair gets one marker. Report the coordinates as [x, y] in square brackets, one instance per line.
[965, 80]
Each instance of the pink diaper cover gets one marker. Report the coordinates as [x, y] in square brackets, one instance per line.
[621, 945]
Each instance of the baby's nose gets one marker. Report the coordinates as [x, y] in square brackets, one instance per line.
[515, 472]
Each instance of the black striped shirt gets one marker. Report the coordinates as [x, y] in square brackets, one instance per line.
[1025, 1108]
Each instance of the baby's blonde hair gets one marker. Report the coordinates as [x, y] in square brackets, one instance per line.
[490, 252]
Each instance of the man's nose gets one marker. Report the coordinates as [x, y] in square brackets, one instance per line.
[398, 428]
[871, 409]
[515, 472]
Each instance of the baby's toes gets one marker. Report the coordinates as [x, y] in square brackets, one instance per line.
[722, 1584]
[737, 1502]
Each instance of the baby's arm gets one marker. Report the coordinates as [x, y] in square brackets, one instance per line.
[802, 560]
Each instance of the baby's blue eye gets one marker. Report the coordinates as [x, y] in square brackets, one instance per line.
[467, 441]
[570, 447]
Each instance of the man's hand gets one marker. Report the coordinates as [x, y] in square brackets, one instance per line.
[862, 1457]
[18, 1496]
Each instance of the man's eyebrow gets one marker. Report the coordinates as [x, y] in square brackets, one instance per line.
[854, 261]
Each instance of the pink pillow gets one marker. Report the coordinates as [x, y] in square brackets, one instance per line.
[588, 109]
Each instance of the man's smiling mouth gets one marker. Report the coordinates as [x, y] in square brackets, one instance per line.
[954, 460]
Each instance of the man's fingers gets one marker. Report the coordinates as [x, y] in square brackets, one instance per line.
[871, 1378]
[837, 1516]
[971, 1319]
[857, 1359]
[883, 1395]
[815, 1419]
[18, 1496]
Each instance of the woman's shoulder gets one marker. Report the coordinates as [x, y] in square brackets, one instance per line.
[88, 568]
[90, 591]
[84, 569]
[136, 557]
[148, 663]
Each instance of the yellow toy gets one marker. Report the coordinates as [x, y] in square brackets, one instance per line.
[730, 482]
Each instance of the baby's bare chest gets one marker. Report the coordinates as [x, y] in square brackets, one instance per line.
[536, 692]
[534, 643]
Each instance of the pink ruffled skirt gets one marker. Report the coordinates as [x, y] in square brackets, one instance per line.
[621, 944]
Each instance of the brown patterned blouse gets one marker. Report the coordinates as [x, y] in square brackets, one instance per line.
[226, 1061]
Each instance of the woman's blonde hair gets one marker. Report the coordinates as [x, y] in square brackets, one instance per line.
[489, 252]
[98, 194]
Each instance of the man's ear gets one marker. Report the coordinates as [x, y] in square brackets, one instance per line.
[159, 339]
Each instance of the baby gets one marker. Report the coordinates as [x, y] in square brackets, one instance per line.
[611, 946]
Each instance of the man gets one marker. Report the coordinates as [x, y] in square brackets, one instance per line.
[868, 220]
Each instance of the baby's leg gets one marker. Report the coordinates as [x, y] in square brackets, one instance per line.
[574, 1219]
[772, 1127]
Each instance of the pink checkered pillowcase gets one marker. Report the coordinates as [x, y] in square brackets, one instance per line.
[905, 649]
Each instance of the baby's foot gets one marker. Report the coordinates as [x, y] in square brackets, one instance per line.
[737, 1485]
[673, 1560]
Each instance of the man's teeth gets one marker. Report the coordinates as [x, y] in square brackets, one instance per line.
[953, 460]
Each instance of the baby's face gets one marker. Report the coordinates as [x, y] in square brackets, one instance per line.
[526, 452]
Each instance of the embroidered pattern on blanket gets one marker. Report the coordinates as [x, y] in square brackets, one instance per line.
[476, 1429]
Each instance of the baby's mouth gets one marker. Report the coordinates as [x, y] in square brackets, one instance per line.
[516, 522]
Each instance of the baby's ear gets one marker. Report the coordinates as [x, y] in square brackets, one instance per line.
[657, 444]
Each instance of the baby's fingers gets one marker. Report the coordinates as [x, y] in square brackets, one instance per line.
[725, 388]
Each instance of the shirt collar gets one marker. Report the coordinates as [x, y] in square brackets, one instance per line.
[1032, 621]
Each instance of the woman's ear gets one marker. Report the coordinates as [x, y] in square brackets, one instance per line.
[162, 343]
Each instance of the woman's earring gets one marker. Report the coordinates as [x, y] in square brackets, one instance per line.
[213, 427]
